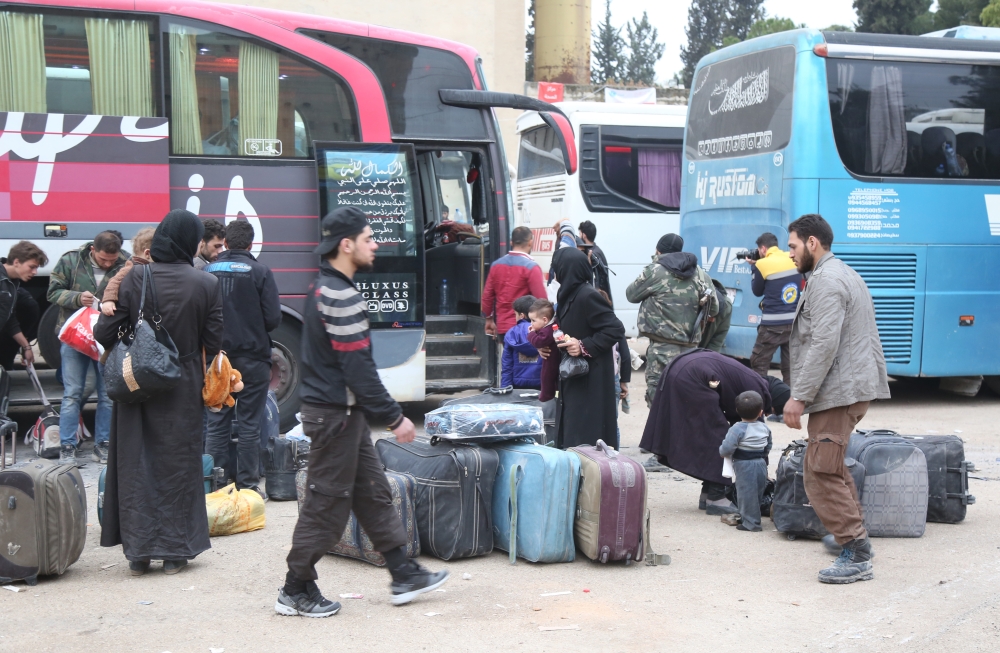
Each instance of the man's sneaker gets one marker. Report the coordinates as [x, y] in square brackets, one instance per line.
[310, 603]
[412, 580]
[780, 419]
[100, 453]
[67, 455]
[854, 563]
[651, 464]
[258, 490]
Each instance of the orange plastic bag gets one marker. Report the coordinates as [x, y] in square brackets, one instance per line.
[233, 511]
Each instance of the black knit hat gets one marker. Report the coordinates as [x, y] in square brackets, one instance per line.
[669, 244]
[345, 222]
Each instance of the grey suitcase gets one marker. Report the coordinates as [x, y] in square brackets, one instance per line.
[43, 520]
[894, 492]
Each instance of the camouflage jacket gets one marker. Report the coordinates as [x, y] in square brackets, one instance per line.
[671, 290]
[714, 333]
[74, 274]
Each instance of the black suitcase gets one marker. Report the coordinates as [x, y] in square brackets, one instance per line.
[894, 492]
[509, 395]
[791, 511]
[454, 493]
[280, 465]
[947, 475]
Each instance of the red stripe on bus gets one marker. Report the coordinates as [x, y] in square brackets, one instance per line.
[617, 148]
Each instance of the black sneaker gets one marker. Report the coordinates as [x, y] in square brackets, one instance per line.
[854, 564]
[412, 580]
[310, 603]
[258, 490]
[100, 453]
[651, 464]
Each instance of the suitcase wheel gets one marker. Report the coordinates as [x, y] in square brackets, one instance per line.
[31, 580]
[791, 538]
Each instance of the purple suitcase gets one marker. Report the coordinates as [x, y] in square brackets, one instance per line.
[611, 515]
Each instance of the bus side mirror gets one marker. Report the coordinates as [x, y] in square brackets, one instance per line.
[564, 132]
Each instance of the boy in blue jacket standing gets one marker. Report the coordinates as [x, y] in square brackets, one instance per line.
[521, 366]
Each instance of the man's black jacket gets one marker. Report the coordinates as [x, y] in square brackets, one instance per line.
[8, 300]
[250, 304]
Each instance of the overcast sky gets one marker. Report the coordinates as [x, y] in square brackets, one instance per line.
[670, 18]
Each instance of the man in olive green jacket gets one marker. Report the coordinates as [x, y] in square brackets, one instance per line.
[79, 279]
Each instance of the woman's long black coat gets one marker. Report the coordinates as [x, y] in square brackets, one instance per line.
[154, 496]
[587, 406]
[689, 418]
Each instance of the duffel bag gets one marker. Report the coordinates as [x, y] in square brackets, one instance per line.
[454, 493]
[354, 543]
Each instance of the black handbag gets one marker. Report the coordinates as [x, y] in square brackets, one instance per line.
[144, 361]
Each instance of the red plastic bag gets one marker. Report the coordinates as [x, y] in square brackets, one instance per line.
[78, 332]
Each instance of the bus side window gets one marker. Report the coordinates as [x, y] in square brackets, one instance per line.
[233, 96]
[71, 64]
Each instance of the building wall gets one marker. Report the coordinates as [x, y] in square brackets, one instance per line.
[495, 28]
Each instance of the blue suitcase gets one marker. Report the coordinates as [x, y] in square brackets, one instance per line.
[534, 502]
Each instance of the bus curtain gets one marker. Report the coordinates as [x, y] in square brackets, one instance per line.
[886, 151]
[660, 176]
[258, 76]
[22, 62]
[120, 67]
[185, 121]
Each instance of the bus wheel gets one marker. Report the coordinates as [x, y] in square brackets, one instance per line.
[48, 338]
[993, 383]
[287, 339]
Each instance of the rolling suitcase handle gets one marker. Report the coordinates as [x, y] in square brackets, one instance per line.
[512, 510]
[608, 451]
[12, 428]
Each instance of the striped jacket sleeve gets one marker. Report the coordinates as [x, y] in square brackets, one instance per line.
[346, 323]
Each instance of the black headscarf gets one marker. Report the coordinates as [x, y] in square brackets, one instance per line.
[177, 237]
[573, 271]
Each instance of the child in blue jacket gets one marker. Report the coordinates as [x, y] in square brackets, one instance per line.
[521, 366]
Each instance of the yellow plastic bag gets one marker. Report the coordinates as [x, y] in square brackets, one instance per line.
[234, 511]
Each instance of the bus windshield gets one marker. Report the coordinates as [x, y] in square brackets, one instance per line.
[742, 105]
[916, 119]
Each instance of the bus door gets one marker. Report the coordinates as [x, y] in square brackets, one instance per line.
[459, 239]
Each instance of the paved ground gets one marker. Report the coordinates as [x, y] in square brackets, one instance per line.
[725, 591]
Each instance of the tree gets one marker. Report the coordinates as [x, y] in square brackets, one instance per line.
[889, 16]
[771, 25]
[644, 51]
[837, 28]
[740, 17]
[529, 44]
[990, 16]
[707, 21]
[608, 59]
[951, 13]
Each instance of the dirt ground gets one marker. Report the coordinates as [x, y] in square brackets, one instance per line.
[725, 590]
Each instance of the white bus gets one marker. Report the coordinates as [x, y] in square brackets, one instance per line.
[628, 184]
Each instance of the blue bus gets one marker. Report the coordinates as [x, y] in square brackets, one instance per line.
[895, 140]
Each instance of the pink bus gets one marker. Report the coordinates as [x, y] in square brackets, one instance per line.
[119, 111]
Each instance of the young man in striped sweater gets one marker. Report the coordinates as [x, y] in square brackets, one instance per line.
[340, 384]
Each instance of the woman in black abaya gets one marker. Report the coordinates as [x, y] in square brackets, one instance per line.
[587, 402]
[154, 497]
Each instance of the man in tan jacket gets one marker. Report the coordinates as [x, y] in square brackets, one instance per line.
[837, 369]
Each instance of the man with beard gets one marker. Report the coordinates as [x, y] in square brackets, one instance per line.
[837, 369]
[340, 385]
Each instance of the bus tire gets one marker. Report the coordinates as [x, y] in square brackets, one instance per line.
[993, 383]
[285, 370]
[48, 338]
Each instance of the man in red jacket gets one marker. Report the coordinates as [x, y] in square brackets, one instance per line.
[512, 276]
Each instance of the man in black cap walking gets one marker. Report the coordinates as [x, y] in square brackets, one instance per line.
[340, 384]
